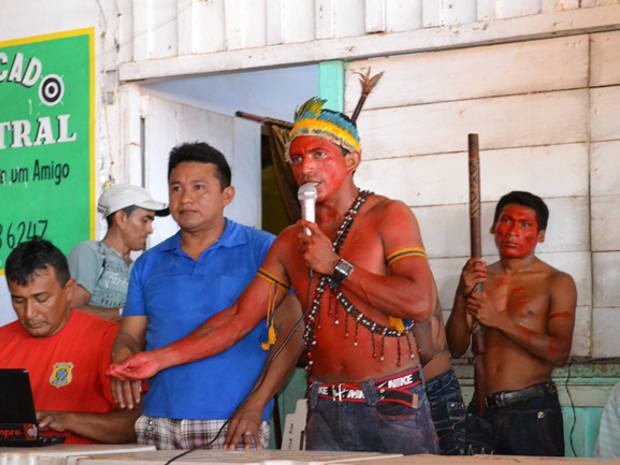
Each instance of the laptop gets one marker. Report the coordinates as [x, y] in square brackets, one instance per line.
[18, 420]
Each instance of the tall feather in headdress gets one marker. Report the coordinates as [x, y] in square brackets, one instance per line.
[368, 84]
[312, 119]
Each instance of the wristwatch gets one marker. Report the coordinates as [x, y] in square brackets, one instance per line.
[342, 270]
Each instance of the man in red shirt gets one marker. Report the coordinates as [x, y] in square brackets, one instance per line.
[65, 351]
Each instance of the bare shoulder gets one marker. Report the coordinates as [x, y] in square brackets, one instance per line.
[280, 249]
[557, 279]
[385, 208]
[287, 235]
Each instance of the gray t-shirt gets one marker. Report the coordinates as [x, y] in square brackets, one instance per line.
[102, 272]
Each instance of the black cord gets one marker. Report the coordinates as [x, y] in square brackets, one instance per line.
[572, 406]
[263, 374]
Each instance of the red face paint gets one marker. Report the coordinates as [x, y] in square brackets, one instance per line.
[315, 159]
[516, 231]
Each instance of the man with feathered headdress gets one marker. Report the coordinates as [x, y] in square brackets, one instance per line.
[363, 277]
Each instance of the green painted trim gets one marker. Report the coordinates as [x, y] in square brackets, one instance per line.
[331, 84]
[580, 430]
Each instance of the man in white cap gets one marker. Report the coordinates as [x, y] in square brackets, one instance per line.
[101, 268]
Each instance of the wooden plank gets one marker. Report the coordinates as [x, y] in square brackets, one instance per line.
[606, 221]
[349, 18]
[324, 19]
[162, 32]
[605, 59]
[605, 327]
[431, 13]
[298, 21]
[582, 333]
[208, 26]
[510, 8]
[596, 3]
[422, 180]
[568, 229]
[245, 24]
[548, 6]
[437, 226]
[125, 32]
[246, 206]
[416, 180]
[603, 180]
[374, 16]
[569, 225]
[544, 118]
[275, 16]
[552, 64]
[528, 168]
[485, 10]
[185, 29]
[604, 121]
[141, 30]
[458, 12]
[417, 41]
[403, 16]
[448, 12]
[446, 272]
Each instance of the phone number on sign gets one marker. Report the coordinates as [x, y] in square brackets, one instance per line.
[12, 234]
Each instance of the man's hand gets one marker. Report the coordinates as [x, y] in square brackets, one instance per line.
[316, 248]
[127, 394]
[481, 307]
[49, 420]
[141, 366]
[474, 273]
[244, 427]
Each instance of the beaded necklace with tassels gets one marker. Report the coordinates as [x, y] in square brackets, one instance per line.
[313, 321]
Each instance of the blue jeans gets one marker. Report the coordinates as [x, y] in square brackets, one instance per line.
[448, 411]
[370, 425]
[530, 427]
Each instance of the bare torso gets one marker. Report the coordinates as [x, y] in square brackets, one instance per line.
[526, 297]
[344, 351]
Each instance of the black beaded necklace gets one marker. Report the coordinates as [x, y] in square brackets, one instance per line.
[312, 320]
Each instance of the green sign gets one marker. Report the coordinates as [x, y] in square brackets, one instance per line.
[47, 140]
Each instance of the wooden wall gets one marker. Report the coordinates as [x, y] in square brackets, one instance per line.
[219, 35]
[546, 112]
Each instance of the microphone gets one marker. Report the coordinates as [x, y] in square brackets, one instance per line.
[307, 199]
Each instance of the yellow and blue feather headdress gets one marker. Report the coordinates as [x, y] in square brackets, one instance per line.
[312, 120]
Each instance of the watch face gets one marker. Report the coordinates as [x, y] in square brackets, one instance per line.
[342, 270]
[344, 267]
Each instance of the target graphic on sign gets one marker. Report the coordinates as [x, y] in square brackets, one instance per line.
[51, 89]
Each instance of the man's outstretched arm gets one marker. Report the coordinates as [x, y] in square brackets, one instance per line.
[245, 422]
[217, 334]
[129, 341]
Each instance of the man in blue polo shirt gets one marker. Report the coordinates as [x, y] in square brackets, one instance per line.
[174, 288]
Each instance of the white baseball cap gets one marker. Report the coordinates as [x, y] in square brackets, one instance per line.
[121, 196]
